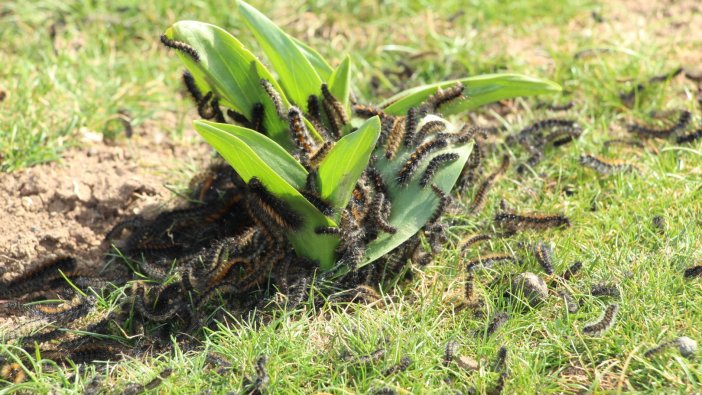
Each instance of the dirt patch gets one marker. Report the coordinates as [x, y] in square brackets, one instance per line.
[67, 207]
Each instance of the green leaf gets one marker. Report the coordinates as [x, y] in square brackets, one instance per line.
[412, 205]
[324, 70]
[340, 82]
[345, 163]
[277, 158]
[247, 164]
[232, 72]
[479, 90]
[297, 76]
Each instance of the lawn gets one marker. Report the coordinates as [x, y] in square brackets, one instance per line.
[70, 70]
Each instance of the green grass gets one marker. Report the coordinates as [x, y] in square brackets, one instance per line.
[120, 65]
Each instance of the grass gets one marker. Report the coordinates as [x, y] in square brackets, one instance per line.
[54, 96]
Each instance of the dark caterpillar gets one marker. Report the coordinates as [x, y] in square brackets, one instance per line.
[181, 46]
[604, 166]
[519, 221]
[693, 271]
[544, 255]
[604, 323]
[191, 86]
[276, 99]
[272, 207]
[412, 163]
[428, 129]
[411, 121]
[648, 132]
[434, 165]
[689, 137]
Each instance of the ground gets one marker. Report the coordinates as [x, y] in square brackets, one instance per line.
[80, 76]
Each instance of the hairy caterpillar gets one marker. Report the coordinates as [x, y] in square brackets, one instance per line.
[191, 86]
[364, 111]
[318, 156]
[489, 260]
[519, 221]
[272, 207]
[604, 166]
[604, 323]
[428, 129]
[648, 132]
[37, 276]
[693, 271]
[481, 194]
[257, 117]
[434, 165]
[444, 201]
[441, 97]
[604, 289]
[470, 240]
[299, 131]
[411, 164]
[500, 359]
[276, 99]
[689, 137]
[395, 138]
[181, 46]
[335, 111]
[398, 367]
[572, 270]
[544, 255]
[496, 323]
[411, 121]
[450, 352]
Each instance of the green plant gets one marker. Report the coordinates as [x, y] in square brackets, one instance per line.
[318, 154]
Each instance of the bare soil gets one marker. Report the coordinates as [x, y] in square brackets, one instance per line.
[67, 207]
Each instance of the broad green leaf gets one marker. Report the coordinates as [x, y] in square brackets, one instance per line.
[412, 205]
[297, 76]
[340, 82]
[232, 72]
[276, 156]
[247, 164]
[345, 163]
[479, 90]
[324, 70]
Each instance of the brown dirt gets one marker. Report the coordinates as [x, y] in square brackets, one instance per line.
[67, 207]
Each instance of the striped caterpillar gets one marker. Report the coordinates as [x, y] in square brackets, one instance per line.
[401, 366]
[572, 270]
[538, 221]
[434, 165]
[441, 97]
[544, 255]
[648, 132]
[481, 194]
[603, 323]
[428, 129]
[364, 111]
[275, 99]
[411, 122]
[181, 46]
[272, 207]
[604, 289]
[299, 131]
[689, 137]
[489, 260]
[450, 352]
[37, 277]
[470, 240]
[395, 138]
[496, 323]
[411, 164]
[335, 111]
[444, 202]
[604, 166]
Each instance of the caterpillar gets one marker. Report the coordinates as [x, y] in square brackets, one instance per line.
[470, 170]
[335, 111]
[434, 165]
[401, 366]
[364, 111]
[536, 157]
[689, 137]
[544, 254]
[386, 127]
[468, 288]
[191, 86]
[257, 117]
[411, 121]
[572, 270]
[379, 213]
[238, 117]
[299, 131]
[666, 76]
[323, 206]
[496, 323]
[470, 240]
[604, 323]
[276, 99]
[544, 124]
[648, 132]
[481, 194]
[693, 271]
[321, 153]
[375, 356]
[411, 164]
[395, 138]
[686, 346]
[257, 385]
[13, 373]
[428, 129]
[556, 107]
[450, 352]
[216, 110]
[313, 108]
[273, 207]
[181, 46]
[377, 181]
[441, 97]
[489, 260]
[37, 276]
[604, 289]
[202, 106]
[444, 202]
[500, 384]
[570, 303]
[500, 359]
[519, 221]
[632, 143]
[604, 166]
